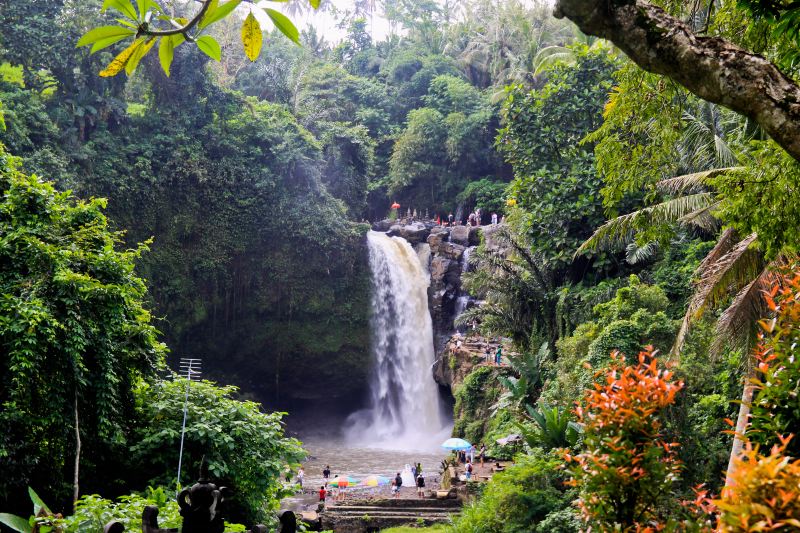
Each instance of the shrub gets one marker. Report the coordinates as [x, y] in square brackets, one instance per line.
[776, 406]
[764, 494]
[524, 494]
[626, 474]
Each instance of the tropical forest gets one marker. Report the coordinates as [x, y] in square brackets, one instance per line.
[457, 266]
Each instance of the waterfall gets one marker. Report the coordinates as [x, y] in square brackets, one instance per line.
[405, 410]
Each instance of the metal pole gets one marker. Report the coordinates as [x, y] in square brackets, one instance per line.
[186, 364]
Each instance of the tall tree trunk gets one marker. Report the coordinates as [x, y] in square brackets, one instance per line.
[741, 424]
[76, 476]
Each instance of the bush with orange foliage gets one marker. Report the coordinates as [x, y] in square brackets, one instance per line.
[775, 410]
[764, 494]
[627, 471]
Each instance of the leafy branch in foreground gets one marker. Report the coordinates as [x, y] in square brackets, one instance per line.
[148, 23]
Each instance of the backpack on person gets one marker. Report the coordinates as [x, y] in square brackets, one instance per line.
[469, 468]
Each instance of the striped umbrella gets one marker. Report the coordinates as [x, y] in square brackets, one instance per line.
[374, 481]
[343, 481]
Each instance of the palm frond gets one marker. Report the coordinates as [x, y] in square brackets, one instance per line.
[617, 232]
[692, 182]
[551, 55]
[703, 219]
[729, 267]
[737, 324]
[636, 254]
[727, 240]
[730, 273]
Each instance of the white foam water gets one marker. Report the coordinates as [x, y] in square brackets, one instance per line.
[405, 411]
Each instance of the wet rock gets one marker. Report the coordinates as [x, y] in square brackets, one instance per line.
[435, 241]
[450, 250]
[475, 235]
[382, 225]
[460, 235]
[414, 233]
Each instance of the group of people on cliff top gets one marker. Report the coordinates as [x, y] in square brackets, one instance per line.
[473, 219]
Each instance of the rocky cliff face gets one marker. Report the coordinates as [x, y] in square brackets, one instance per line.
[448, 261]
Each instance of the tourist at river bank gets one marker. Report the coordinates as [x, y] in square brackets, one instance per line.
[326, 473]
[420, 486]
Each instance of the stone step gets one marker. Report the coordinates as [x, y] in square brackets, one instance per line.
[398, 512]
[398, 509]
[400, 503]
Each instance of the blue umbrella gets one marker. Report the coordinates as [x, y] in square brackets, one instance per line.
[456, 444]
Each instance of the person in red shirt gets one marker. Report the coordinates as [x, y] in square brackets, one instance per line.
[322, 493]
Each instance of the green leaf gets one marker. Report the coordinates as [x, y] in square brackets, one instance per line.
[314, 3]
[252, 38]
[17, 523]
[104, 32]
[123, 6]
[166, 50]
[38, 504]
[218, 13]
[105, 43]
[210, 47]
[283, 23]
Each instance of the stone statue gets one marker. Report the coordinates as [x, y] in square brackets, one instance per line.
[201, 505]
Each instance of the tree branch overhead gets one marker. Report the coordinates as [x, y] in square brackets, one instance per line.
[712, 68]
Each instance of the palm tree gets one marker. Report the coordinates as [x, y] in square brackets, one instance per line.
[518, 292]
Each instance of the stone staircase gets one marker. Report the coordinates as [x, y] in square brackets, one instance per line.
[368, 516]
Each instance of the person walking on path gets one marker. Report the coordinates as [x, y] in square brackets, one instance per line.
[498, 357]
[326, 473]
[472, 454]
[300, 475]
[450, 219]
[322, 493]
[420, 486]
[483, 453]
[468, 470]
[398, 482]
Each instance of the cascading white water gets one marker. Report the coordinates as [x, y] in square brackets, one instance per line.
[405, 410]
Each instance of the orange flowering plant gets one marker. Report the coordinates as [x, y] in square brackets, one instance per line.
[775, 410]
[626, 473]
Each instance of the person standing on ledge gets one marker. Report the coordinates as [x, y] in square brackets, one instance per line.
[498, 357]
[420, 486]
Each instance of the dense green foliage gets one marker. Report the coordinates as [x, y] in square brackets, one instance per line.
[243, 448]
[529, 496]
[74, 333]
[253, 173]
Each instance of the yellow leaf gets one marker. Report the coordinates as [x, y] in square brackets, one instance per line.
[137, 56]
[119, 62]
[252, 38]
